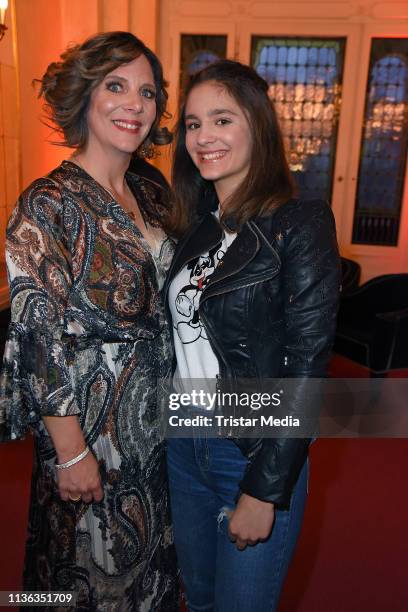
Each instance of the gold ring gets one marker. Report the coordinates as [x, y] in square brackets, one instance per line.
[74, 499]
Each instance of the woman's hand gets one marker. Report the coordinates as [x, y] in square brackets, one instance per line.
[81, 480]
[251, 521]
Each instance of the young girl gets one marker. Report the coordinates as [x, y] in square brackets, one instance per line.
[253, 293]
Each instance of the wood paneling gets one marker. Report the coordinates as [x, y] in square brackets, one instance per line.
[390, 10]
[301, 10]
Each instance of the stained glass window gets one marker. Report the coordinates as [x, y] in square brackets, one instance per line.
[305, 77]
[384, 145]
[198, 51]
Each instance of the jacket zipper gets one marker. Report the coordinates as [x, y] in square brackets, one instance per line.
[222, 364]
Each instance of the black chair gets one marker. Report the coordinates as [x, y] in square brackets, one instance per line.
[350, 275]
[373, 324]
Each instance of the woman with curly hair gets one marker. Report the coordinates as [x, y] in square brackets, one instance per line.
[87, 253]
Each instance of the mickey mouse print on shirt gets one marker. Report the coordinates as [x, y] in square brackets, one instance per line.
[195, 356]
[187, 323]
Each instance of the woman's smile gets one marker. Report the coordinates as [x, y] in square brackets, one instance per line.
[127, 125]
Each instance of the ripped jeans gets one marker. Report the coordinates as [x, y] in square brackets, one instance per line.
[204, 475]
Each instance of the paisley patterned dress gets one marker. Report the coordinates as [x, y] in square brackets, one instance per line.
[88, 337]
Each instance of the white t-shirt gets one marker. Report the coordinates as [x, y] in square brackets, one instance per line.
[195, 357]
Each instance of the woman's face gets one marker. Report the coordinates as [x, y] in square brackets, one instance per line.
[122, 108]
[218, 137]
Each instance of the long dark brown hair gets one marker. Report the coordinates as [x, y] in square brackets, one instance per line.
[268, 182]
[67, 85]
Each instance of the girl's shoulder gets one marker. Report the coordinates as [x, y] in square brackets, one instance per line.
[298, 215]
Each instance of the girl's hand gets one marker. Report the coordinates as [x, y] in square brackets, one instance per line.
[81, 481]
[251, 521]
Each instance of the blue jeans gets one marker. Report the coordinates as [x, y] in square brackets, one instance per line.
[204, 475]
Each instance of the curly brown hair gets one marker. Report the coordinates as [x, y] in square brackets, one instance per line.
[67, 85]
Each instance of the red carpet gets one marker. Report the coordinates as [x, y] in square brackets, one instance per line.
[353, 551]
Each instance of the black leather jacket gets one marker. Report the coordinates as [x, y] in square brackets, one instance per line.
[269, 311]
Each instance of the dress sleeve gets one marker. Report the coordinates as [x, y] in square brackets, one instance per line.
[35, 379]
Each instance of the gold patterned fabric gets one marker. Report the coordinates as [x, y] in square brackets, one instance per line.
[88, 337]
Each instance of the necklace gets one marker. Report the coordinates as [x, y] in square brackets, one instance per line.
[112, 192]
[150, 240]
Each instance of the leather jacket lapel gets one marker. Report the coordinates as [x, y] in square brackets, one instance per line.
[231, 269]
[249, 260]
[238, 255]
[204, 236]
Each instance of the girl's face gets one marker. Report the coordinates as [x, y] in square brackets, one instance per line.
[122, 108]
[218, 137]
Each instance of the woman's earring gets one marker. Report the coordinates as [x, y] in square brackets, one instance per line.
[146, 150]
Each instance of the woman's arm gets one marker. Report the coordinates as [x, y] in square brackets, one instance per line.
[36, 382]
